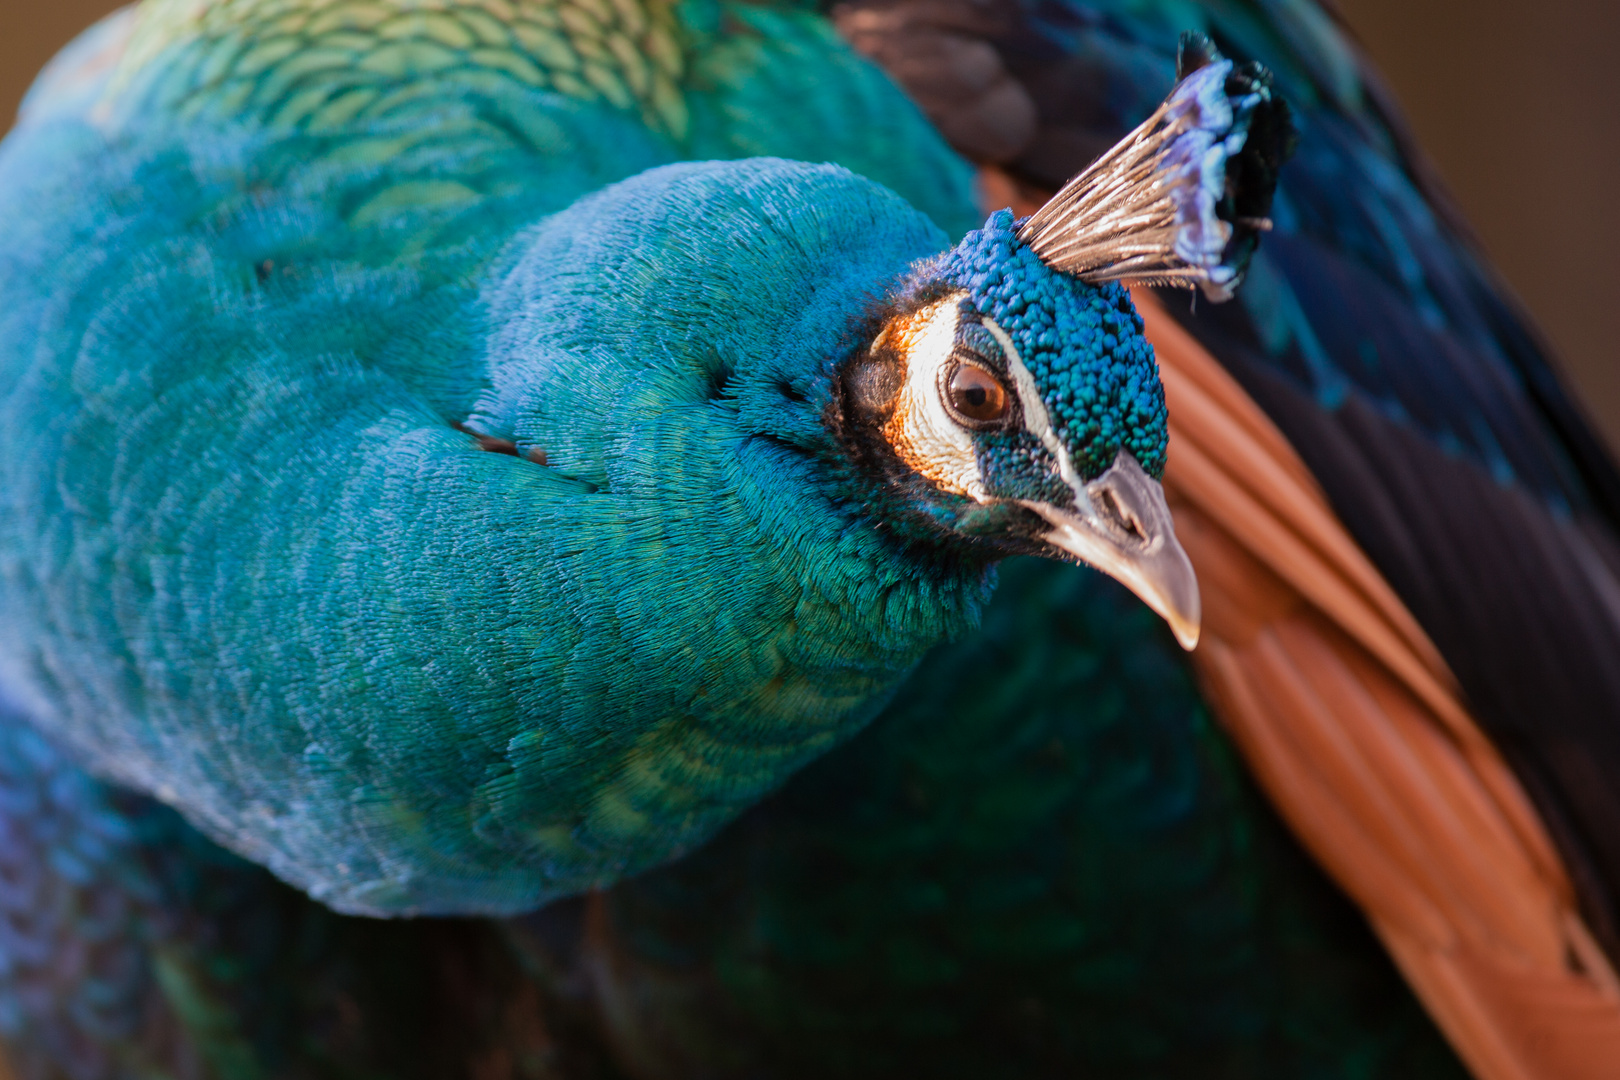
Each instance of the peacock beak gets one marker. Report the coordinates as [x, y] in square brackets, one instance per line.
[1119, 523]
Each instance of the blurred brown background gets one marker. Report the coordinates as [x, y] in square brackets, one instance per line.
[1516, 102]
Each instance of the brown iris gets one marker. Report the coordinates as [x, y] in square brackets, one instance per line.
[975, 394]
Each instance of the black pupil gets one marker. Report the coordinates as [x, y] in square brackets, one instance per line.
[977, 394]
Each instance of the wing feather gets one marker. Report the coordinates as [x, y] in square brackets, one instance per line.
[1355, 727]
[1425, 697]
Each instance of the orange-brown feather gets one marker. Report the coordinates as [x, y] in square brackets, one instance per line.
[1355, 727]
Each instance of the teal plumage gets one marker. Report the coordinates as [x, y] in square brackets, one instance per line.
[254, 286]
[278, 284]
[1094, 884]
[1151, 917]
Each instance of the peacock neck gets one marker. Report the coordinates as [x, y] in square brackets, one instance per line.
[721, 606]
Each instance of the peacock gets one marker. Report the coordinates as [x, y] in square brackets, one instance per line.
[737, 538]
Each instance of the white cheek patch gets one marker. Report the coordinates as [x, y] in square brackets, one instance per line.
[920, 431]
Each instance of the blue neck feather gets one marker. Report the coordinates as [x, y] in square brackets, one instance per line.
[430, 678]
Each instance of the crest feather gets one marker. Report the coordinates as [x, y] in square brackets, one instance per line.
[1182, 199]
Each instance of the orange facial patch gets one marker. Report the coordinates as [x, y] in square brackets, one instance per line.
[920, 431]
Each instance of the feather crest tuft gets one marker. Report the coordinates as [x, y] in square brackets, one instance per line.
[1182, 199]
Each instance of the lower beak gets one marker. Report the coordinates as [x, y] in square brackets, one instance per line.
[1121, 525]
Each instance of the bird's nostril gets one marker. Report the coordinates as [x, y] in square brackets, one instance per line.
[1120, 516]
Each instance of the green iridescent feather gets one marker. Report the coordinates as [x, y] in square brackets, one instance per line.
[263, 316]
[1043, 860]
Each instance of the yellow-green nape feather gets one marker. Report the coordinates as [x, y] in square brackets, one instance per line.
[394, 87]
[325, 64]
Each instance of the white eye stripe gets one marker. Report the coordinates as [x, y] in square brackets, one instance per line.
[923, 431]
[1037, 421]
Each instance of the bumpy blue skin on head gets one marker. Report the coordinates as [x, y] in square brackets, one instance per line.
[1082, 344]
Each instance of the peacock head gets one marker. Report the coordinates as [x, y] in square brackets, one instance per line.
[1008, 397]
[798, 344]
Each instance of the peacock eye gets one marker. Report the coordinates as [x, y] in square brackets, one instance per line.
[975, 395]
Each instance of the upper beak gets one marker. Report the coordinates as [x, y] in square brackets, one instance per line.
[1121, 525]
